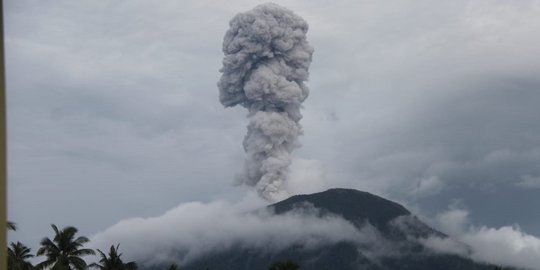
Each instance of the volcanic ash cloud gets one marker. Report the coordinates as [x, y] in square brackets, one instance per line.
[266, 63]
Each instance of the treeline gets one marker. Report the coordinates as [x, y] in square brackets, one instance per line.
[66, 251]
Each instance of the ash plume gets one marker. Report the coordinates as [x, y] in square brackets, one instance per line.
[264, 69]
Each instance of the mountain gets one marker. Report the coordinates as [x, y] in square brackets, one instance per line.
[396, 247]
[359, 208]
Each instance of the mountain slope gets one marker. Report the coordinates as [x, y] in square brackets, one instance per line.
[396, 245]
[353, 205]
[359, 208]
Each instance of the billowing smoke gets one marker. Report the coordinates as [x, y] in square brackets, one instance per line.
[264, 69]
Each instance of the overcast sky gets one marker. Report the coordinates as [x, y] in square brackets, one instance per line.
[113, 108]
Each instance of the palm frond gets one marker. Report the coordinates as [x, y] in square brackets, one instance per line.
[77, 262]
[95, 265]
[20, 251]
[48, 247]
[11, 226]
[102, 255]
[81, 240]
[44, 264]
[130, 266]
[56, 232]
[70, 231]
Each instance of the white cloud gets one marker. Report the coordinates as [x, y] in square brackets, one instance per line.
[507, 245]
[453, 222]
[446, 245]
[306, 176]
[195, 229]
[412, 99]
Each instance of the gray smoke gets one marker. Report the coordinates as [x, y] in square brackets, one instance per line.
[264, 69]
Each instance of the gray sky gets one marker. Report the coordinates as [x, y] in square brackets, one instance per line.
[113, 108]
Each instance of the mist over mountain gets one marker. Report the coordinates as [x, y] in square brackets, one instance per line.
[391, 238]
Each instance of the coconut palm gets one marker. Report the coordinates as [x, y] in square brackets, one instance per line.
[64, 252]
[113, 261]
[286, 265]
[17, 257]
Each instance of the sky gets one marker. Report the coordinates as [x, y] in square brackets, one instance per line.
[113, 110]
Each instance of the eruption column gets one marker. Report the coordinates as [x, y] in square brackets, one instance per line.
[265, 66]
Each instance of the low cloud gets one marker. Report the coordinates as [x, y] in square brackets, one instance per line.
[192, 230]
[507, 245]
[446, 245]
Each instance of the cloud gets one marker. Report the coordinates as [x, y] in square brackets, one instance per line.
[195, 229]
[427, 186]
[431, 100]
[306, 176]
[506, 245]
[446, 245]
[421, 102]
[453, 222]
[528, 181]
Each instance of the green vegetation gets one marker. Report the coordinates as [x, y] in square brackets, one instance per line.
[64, 251]
[173, 266]
[18, 255]
[286, 265]
[113, 261]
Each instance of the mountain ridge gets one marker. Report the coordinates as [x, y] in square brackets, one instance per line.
[397, 246]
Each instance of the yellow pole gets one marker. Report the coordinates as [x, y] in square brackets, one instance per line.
[3, 150]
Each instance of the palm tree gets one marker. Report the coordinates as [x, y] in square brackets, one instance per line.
[286, 265]
[113, 261]
[64, 252]
[173, 266]
[17, 255]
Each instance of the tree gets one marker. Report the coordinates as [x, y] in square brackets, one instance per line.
[286, 265]
[113, 261]
[173, 266]
[17, 257]
[64, 252]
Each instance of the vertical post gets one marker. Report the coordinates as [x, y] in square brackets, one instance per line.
[3, 150]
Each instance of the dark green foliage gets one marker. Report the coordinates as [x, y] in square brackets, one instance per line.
[440, 262]
[285, 265]
[113, 261]
[173, 266]
[502, 268]
[64, 252]
[17, 257]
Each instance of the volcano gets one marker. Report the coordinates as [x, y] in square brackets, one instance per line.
[397, 231]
